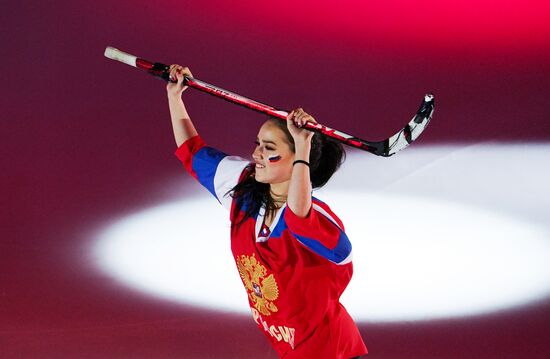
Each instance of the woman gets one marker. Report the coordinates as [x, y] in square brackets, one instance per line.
[291, 251]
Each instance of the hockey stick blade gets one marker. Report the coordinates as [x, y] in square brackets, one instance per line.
[384, 148]
[414, 128]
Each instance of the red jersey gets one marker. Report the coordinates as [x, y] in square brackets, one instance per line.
[293, 271]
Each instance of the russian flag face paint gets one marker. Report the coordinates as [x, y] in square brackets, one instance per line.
[273, 159]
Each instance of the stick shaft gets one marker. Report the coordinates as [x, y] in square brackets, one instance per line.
[381, 148]
[161, 70]
[271, 111]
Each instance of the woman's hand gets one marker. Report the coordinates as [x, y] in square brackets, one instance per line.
[177, 72]
[296, 119]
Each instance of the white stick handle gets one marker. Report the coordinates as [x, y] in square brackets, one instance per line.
[116, 54]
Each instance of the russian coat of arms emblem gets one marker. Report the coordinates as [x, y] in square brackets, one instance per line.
[262, 290]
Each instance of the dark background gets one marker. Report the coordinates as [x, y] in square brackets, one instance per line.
[85, 139]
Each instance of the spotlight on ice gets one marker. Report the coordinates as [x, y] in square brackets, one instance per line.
[446, 238]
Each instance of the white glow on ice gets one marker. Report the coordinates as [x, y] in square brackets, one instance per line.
[458, 246]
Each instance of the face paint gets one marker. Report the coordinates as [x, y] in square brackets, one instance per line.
[275, 158]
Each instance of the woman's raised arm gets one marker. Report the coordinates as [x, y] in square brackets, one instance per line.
[181, 122]
[299, 189]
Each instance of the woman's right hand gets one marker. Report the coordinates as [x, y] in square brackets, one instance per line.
[177, 72]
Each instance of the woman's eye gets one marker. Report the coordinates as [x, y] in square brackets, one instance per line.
[270, 148]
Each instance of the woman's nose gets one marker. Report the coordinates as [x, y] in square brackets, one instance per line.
[257, 154]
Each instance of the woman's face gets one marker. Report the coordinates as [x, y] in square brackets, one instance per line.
[273, 155]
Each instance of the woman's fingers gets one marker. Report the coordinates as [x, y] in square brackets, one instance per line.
[172, 73]
[184, 71]
[296, 120]
[179, 76]
[290, 116]
[298, 113]
[177, 72]
[300, 117]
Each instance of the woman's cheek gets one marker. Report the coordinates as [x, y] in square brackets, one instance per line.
[275, 158]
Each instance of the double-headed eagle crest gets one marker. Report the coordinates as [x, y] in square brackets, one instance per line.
[261, 291]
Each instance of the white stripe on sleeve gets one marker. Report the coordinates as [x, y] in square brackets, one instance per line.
[227, 176]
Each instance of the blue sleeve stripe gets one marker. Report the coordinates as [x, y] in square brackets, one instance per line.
[205, 164]
[337, 255]
[279, 228]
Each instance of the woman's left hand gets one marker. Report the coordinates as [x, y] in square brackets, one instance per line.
[295, 120]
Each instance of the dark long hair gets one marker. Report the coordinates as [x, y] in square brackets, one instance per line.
[325, 158]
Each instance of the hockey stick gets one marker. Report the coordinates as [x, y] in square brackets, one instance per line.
[384, 148]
